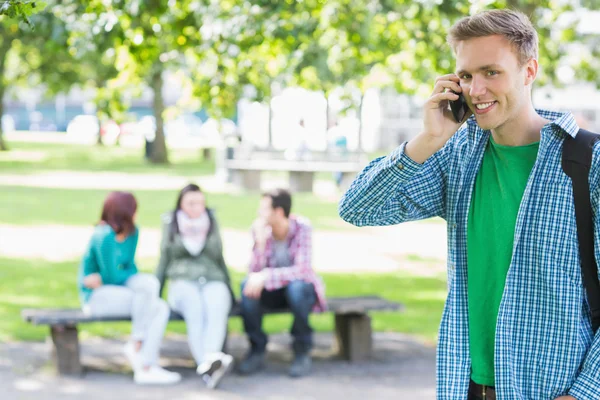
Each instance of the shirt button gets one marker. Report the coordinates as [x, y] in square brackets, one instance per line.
[400, 166]
[202, 280]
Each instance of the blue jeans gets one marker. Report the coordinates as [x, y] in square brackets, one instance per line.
[298, 296]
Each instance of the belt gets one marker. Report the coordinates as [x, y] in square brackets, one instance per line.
[481, 392]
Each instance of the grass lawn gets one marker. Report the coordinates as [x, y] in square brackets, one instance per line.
[36, 206]
[38, 283]
[26, 158]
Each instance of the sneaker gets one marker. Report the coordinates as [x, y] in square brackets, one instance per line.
[300, 366]
[207, 366]
[254, 362]
[211, 363]
[217, 371]
[155, 375]
[133, 356]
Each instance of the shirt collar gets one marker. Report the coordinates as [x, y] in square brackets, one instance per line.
[564, 121]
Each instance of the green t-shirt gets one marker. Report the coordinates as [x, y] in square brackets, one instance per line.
[496, 198]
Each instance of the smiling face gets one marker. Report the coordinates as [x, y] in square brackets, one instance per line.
[497, 88]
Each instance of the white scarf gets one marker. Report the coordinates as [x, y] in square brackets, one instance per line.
[193, 231]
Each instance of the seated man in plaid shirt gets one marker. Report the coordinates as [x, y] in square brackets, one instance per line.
[281, 276]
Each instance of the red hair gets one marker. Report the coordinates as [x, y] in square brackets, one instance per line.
[118, 211]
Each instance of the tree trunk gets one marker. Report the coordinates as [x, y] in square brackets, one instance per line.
[159, 147]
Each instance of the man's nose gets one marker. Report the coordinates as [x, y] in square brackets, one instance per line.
[477, 88]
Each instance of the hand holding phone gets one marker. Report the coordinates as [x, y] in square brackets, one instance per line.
[440, 122]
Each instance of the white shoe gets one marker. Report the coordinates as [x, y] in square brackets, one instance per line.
[207, 366]
[217, 369]
[155, 375]
[211, 362]
[132, 356]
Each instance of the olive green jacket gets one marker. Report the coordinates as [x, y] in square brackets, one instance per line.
[176, 262]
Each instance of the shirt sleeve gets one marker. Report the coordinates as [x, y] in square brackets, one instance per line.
[258, 260]
[396, 189]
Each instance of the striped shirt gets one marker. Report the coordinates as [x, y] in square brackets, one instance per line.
[299, 242]
[544, 345]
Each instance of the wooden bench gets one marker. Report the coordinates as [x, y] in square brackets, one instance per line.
[352, 328]
[247, 173]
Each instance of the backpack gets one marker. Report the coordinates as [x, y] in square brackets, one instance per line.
[576, 163]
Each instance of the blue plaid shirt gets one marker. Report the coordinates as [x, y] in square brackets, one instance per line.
[544, 345]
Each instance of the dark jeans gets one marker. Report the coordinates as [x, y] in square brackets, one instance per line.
[476, 392]
[299, 296]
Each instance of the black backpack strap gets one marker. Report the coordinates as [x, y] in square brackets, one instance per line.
[576, 163]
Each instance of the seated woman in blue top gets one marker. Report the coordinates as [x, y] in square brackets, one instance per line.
[110, 285]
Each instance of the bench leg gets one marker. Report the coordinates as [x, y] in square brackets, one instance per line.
[206, 154]
[354, 336]
[301, 181]
[247, 179]
[66, 350]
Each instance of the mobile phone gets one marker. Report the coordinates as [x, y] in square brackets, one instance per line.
[459, 107]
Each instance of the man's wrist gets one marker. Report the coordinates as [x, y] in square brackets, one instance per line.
[423, 146]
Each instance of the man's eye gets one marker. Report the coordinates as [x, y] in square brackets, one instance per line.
[492, 73]
[465, 76]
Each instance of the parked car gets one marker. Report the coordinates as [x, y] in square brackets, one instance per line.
[214, 129]
[84, 127]
[37, 122]
[184, 125]
[110, 131]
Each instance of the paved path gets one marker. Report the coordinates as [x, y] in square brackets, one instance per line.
[402, 368]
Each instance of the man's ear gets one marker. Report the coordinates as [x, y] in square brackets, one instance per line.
[531, 70]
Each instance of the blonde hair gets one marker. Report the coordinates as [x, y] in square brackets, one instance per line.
[513, 25]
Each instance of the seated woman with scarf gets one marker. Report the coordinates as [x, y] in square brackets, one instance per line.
[191, 258]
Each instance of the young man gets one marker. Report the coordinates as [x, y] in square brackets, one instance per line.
[516, 324]
[281, 276]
